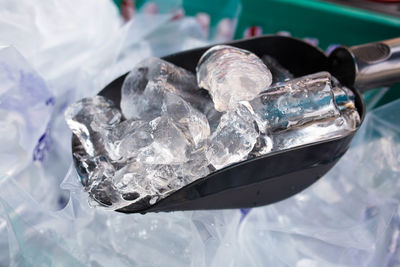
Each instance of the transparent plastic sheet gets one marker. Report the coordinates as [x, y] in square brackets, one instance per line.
[25, 105]
[348, 218]
[80, 47]
[77, 48]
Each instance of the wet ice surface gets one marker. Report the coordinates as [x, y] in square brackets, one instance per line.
[171, 133]
[297, 102]
[144, 88]
[234, 138]
[231, 75]
[90, 119]
[317, 131]
[304, 110]
[190, 121]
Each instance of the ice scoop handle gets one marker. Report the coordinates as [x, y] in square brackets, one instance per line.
[367, 66]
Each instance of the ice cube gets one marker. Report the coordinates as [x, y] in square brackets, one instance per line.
[100, 186]
[133, 137]
[234, 137]
[126, 140]
[169, 146]
[305, 110]
[89, 118]
[96, 175]
[197, 166]
[166, 179]
[143, 89]
[296, 102]
[132, 181]
[317, 131]
[144, 184]
[161, 179]
[192, 122]
[231, 75]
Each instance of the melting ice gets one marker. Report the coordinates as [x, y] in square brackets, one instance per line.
[231, 75]
[173, 129]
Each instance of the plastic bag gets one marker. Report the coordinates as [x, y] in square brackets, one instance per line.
[25, 107]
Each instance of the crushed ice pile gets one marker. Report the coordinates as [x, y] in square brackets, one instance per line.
[172, 130]
[351, 217]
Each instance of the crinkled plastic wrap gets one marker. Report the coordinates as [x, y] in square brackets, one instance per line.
[350, 217]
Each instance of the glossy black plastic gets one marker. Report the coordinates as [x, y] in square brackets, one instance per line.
[262, 180]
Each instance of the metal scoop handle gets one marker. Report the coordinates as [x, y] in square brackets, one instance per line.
[367, 66]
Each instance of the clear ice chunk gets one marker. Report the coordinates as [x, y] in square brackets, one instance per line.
[192, 122]
[100, 186]
[144, 106]
[145, 184]
[232, 75]
[166, 179]
[143, 90]
[317, 131]
[131, 179]
[279, 73]
[296, 102]
[126, 140]
[234, 137]
[134, 183]
[170, 144]
[308, 109]
[89, 118]
[196, 167]
[96, 175]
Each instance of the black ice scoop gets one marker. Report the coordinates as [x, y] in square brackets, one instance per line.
[278, 175]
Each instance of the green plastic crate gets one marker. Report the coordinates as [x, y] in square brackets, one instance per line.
[217, 9]
[328, 22]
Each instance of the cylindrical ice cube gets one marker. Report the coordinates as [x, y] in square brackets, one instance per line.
[317, 131]
[299, 101]
[232, 75]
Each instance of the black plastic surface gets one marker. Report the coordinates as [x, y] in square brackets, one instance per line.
[262, 180]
